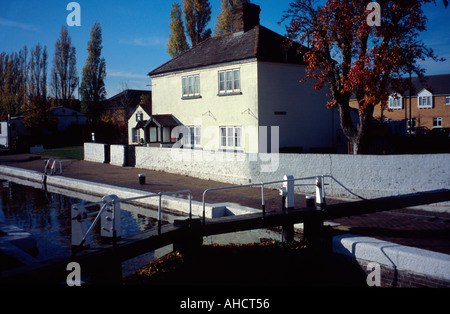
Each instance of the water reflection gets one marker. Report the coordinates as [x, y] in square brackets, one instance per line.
[47, 217]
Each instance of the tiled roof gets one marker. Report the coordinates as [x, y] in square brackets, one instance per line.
[128, 98]
[259, 42]
[436, 84]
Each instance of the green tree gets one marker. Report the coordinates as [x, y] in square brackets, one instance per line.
[197, 14]
[64, 78]
[92, 89]
[177, 38]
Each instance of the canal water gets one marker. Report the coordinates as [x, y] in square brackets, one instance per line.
[45, 214]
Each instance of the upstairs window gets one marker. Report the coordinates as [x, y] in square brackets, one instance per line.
[395, 102]
[447, 100]
[425, 100]
[229, 82]
[191, 86]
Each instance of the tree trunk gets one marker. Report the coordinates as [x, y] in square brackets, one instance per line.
[358, 135]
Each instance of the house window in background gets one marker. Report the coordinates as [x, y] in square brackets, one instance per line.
[425, 102]
[437, 122]
[395, 102]
[136, 135]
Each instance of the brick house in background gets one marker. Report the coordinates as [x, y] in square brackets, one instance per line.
[430, 105]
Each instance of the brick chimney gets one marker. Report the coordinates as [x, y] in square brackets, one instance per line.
[245, 17]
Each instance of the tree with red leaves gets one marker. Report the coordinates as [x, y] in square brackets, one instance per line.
[350, 57]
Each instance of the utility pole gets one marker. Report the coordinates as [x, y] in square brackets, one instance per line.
[410, 102]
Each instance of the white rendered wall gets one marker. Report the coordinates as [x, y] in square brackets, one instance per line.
[366, 175]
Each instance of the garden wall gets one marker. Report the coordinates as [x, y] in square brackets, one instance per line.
[366, 175]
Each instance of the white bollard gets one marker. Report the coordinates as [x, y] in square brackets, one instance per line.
[288, 186]
[320, 194]
[110, 218]
[79, 225]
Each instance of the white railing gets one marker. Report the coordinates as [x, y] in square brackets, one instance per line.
[109, 214]
[110, 206]
[51, 164]
[287, 191]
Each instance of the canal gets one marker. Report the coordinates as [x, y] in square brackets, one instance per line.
[45, 214]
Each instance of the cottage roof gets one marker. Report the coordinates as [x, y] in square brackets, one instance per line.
[128, 98]
[258, 43]
[160, 120]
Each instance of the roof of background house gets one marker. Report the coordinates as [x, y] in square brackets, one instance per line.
[436, 84]
[69, 110]
[258, 42]
[147, 108]
[163, 120]
[128, 98]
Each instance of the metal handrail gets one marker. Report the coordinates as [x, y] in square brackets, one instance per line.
[354, 194]
[275, 182]
[53, 166]
[112, 202]
[250, 185]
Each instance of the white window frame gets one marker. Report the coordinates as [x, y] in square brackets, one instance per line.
[229, 81]
[413, 124]
[193, 136]
[437, 122]
[425, 100]
[190, 85]
[232, 139]
[139, 116]
[136, 134]
[447, 100]
[395, 102]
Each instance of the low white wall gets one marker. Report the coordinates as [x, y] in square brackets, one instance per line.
[220, 166]
[96, 152]
[118, 155]
[366, 175]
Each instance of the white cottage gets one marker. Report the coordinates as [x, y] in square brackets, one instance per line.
[241, 91]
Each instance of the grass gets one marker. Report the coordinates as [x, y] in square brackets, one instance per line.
[72, 152]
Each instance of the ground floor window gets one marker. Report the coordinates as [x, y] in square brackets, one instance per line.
[153, 134]
[136, 135]
[411, 124]
[231, 137]
[437, 122]
[193, 136]
[167, 135]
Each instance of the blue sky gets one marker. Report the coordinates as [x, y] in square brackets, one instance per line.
[135, 33]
